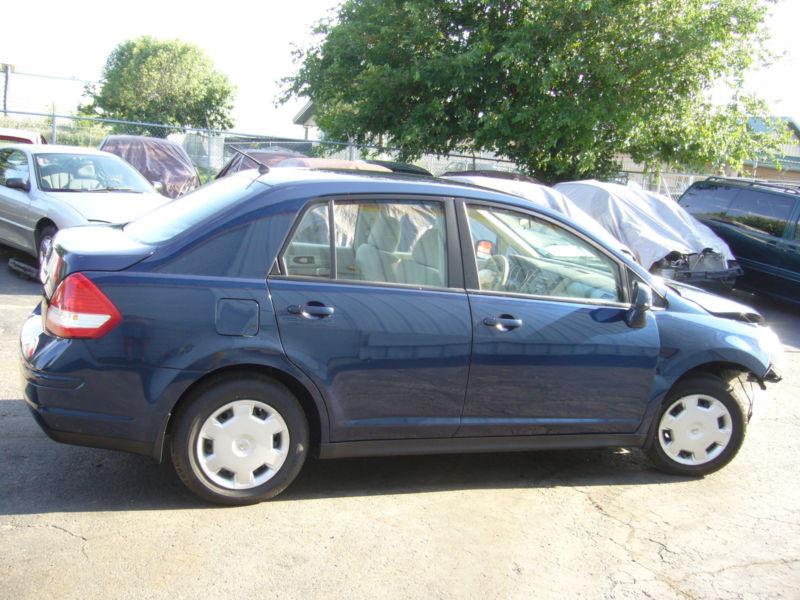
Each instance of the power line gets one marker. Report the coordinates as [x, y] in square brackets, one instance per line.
[42, 76]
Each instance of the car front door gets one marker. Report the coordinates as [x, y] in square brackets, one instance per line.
[370, 304]
[552, 352]
[14, 203]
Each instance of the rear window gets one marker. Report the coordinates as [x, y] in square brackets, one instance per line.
[173, 218]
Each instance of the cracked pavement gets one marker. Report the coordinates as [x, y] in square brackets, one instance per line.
[83, 523]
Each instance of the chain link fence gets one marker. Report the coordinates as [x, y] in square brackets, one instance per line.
[210, 150]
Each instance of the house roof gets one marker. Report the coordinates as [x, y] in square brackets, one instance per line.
[306, 116]
[787, 162]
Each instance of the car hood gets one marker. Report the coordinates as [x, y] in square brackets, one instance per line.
[717, 305]
[110, 207]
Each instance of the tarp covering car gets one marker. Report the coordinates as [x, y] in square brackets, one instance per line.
[541, 195]
[665, 238]
[159, 160]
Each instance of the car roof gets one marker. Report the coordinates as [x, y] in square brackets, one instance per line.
[325, 182]
[780, 187]
[19, 132]
[59, 149]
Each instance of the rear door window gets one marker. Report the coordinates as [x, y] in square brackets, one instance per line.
[392, 241]
[761, 211]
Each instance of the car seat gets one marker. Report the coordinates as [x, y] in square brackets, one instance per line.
[374, 259]
[426, 266]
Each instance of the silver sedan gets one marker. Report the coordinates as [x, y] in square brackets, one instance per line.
[44, 188]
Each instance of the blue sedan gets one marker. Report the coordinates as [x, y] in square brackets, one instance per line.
[266, 316]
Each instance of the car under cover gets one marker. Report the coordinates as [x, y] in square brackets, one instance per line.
[159, 160]
[651, 225]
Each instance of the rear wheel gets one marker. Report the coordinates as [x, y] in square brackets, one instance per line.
[240, 440]
[700, 427]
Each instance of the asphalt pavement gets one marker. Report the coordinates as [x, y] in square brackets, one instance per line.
[83, 523]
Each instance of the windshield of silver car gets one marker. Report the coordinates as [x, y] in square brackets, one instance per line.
[87, 173]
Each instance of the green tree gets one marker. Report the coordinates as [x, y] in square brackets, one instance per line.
[562, 87]
[162, 81]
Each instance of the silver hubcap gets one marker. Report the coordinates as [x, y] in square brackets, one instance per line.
[44, 247]
[695, 429]
[243, 444]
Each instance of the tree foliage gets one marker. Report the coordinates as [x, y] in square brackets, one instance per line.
[162, 81]
[562, 87]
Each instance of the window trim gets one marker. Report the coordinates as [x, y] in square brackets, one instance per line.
[469, 260]
[455, 270]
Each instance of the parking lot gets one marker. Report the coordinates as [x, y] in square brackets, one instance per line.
[78, 522]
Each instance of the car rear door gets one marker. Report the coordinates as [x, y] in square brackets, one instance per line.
[371, 306]
[552, 353]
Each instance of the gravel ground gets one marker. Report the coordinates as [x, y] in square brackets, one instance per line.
[83, 523]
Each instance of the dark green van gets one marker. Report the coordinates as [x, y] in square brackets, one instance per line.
[758, 220]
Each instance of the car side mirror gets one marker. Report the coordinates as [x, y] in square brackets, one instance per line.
[17, 183]
[642, 302]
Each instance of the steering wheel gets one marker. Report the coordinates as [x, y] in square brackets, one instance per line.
[496, 269]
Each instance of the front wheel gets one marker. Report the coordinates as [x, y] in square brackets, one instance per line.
[240, 440]
[700, 427]
[44, 243]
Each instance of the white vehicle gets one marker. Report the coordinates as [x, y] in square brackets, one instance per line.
[44, 188]
[20, 136]
[666, 239]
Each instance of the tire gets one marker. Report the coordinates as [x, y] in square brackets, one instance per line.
[44, 236]
[241, 441]
[695, 433]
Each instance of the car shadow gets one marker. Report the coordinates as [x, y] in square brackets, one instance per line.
[40, 476]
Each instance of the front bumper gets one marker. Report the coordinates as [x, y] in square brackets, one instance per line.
[726, 277]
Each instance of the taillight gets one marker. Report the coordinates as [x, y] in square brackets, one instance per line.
[78, 309]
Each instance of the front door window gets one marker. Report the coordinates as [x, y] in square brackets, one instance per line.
[521, 254]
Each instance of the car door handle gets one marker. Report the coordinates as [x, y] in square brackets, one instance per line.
[312, 310]
[503, 322]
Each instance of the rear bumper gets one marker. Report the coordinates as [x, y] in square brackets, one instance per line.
[77, 400]
[91, 440]
[49, 398]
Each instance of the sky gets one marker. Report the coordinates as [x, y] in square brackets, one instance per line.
[251, 42]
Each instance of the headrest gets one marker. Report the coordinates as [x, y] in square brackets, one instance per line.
[385, 233]
[429, 249]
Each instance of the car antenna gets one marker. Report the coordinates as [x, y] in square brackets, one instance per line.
[262, 168]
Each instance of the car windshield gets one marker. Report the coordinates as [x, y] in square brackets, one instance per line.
[87, 173]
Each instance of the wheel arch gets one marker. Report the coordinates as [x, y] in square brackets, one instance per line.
[715, 368]
[712, 363]
[42, 223]
[316, 415]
